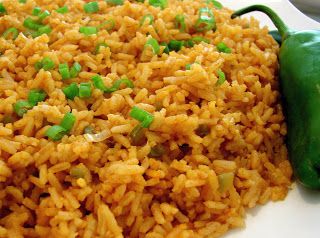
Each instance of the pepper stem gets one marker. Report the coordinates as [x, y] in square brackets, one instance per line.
[277, 21]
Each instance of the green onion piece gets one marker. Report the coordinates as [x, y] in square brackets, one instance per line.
[47, 63]
[115, 2]
[137, 136]
[222, 47]
[42, 30]
[68, 121]
[206, 20]
[145, 17]
[221, 77]
[188, 43]
[31, 24]
[64, 71]
[88, 30]
[21, 107]
[141, 115]
[198, 39]
[175, 45]
[98, 83]
[166, 48]
[77, 172]
[56, 133]
[97, 49]
[2, 9]
[225, 181]
[159, 3]
[117, 85]
[22, 1]
[38, 65]
[75, 70]
[11, 31]
[35, 96]
[153, 43]
[91, 7]
[62, 10]
[215, 3]
[36, 11]
[188, 66]
[71, 91]
[43, 15]
[85, 90]
[108, 25]
[157, 151]
[180, 23]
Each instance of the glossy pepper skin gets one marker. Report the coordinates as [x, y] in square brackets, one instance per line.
[299, 60]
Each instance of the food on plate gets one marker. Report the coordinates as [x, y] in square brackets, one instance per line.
[132, 119]
[300, 85]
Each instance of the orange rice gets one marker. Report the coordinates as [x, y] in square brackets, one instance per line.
[200, 187]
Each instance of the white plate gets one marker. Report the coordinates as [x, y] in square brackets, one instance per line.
[298, 216]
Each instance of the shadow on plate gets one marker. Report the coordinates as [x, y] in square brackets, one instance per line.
[309, 196]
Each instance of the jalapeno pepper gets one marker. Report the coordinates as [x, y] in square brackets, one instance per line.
[299, 60]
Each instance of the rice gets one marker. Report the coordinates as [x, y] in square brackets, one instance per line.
[200, 186]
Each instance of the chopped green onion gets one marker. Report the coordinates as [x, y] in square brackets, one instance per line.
[188, 66]
[98, 83]
[88, 30]
[68, 121]
[22, 1]
[77, 172]
[180, 23]
[2, 9]
[198, 39]
[36, 11]
[225, 181]
[115, 2]
[137, 136]
[215, 3]
[97, 49]
[62, 10]
[47, 63]
[85, 90]
[75, 70]
[222, 47]
[221, 77]
[175, 45]
[56, 132]
[36, 95]
[11, 31]
[159, 3]
[71, 91]
[64, 71]
[42, 30]
[188, 43]
[91, 7]
[116, 85]
[108, 25]
[31, 24]
[166, 48]
[153, 43]
[43, 15]
[145, 17]
[157, 151]
[206, 20]
[21, 107]
[141, 115]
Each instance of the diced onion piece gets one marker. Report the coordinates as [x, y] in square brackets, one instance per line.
[101, 136]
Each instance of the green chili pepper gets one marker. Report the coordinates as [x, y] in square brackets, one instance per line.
[300, 86]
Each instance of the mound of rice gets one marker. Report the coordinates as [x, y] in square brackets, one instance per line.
[201, 186]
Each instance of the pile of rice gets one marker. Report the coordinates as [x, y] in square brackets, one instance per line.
[123, 192]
